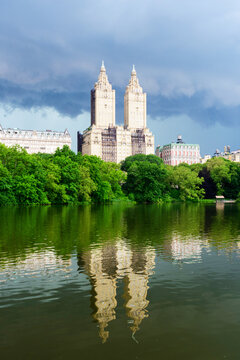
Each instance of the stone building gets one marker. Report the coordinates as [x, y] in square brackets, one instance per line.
[34, 141]
[178, 152]
[104, 138]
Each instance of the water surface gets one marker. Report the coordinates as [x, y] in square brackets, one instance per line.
[120, 281]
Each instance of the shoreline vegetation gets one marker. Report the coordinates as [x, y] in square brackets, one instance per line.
[66, 178]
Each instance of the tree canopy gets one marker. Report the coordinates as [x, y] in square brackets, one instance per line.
[59, 178]
[67, 178]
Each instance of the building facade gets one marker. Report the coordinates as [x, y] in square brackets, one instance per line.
[178, 152]
[228, 154]
[205, 158]
[104, 138]
[236, 156]
[35, 141]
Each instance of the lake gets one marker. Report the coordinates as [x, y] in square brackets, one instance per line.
[120, 281]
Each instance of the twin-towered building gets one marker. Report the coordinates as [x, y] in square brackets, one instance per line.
[104, 138]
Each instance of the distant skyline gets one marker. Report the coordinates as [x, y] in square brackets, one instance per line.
[186, 55]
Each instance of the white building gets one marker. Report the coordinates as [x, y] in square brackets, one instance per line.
[178, 152]
[35, 141]
[236, 156]
[227, 154]
[106, 139]
[204, 159]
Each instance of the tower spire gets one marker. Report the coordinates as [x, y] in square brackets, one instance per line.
[103, 66]
[103, 82]
[133, 70]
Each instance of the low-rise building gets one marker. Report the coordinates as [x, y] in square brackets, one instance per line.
[228, 154]
[204, 159]
[34, 141]
[236, 155]
[178, 152]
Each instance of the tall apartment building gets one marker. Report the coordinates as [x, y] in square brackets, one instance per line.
[178, 152]
[35, 141]
[104, 138]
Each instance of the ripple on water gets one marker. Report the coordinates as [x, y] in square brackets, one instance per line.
[147, 273]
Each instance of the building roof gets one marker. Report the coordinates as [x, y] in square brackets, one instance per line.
[17, 131]
[175, 143]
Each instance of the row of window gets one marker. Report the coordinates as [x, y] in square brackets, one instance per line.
[14, 135]
[179, 147]
[180, 158]
[180, 153]
[177, 162]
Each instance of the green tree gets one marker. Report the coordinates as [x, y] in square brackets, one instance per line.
[107, 177]
[74, 177]
[6, 187]
[232, 187]
[219, 172]
[25, 190]
[56, 192]
[140, 157]
[185, 183]
[146, 181]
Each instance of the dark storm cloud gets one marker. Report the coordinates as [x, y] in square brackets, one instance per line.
[75, 101]
[187, 54]
[195, 107]
[71, 103]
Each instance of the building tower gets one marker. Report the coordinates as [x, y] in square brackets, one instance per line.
[116, 142]
[103, 102]
[135, 104]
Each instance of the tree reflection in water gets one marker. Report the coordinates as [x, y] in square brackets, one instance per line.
[116, 246]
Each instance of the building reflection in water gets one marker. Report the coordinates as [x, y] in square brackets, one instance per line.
[105, 265]
[136, 286]
[100, 265]
[186, 249]
[34, 265]
[220, 205]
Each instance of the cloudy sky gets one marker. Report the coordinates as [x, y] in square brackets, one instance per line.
[186, 53]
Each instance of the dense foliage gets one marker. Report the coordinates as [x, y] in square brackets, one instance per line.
[65, 178]
[149, 180]
[60, 178]
[146, 178]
